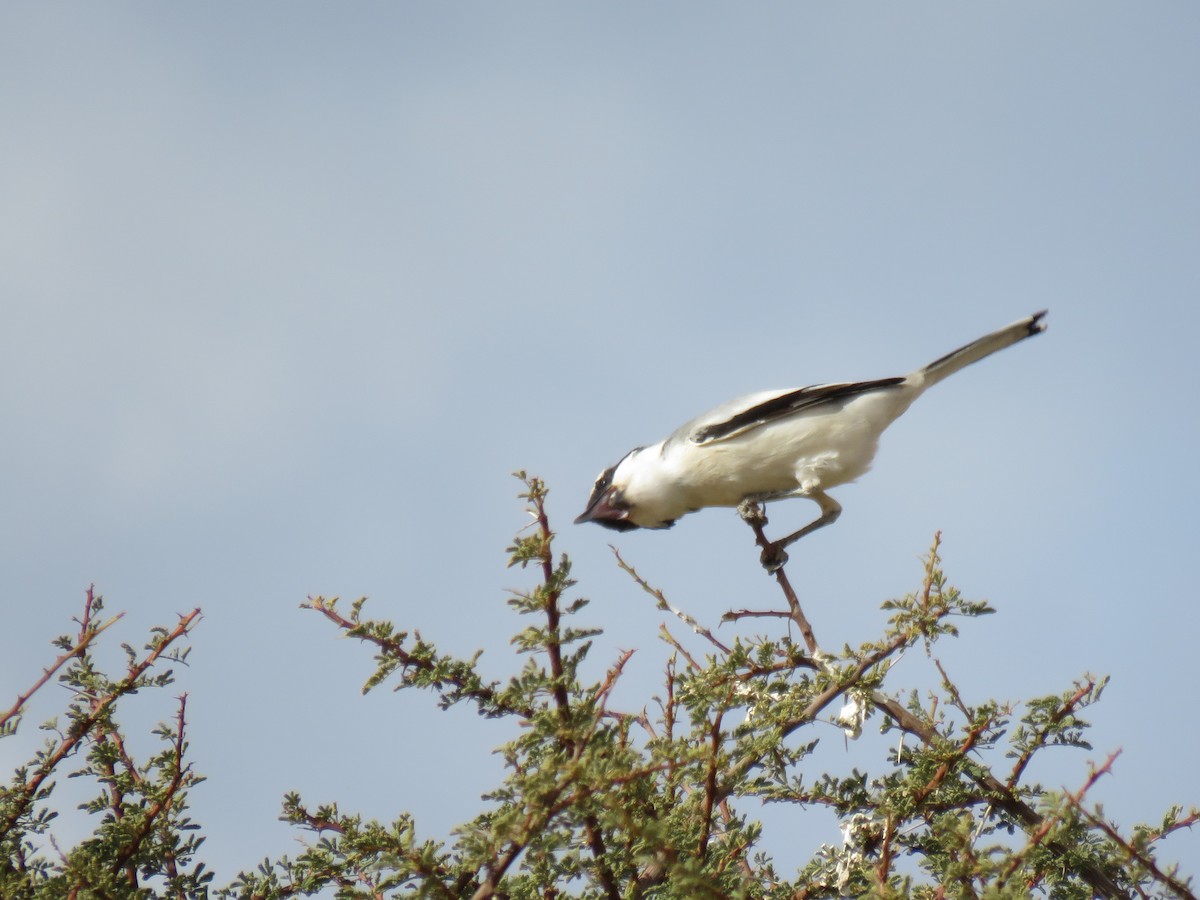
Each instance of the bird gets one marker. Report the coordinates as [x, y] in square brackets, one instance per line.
[774, 445]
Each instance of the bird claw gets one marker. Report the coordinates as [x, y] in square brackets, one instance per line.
[752, 512]
[773, 558]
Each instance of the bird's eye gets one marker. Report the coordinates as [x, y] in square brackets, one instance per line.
[604, 480]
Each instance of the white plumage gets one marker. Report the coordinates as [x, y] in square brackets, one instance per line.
[772, 445]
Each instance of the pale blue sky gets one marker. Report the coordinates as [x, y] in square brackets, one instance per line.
[287, 290]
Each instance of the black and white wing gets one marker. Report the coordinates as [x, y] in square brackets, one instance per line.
[747, 413]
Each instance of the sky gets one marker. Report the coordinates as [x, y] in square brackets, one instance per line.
[287, 291]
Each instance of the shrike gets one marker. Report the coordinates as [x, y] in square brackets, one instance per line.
[773, 445]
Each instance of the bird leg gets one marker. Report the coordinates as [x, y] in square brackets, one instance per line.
[774, 556]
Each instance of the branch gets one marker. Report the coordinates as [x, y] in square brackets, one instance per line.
[666, 635]
[82, 727]
[87, 633]
[1006, 799]
[1038, 740]
[483, 695]
[553, 615]
[540, 549]
[610, 682]
[1187, 822]
[164, 802]
[1147, 862]
[539, 816]
[796, 613]
[943, 770]
[818, 703]
[734, 614]
[595, 835]
[710, 785]
[665, 606]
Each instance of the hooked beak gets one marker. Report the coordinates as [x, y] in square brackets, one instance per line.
[602, 512]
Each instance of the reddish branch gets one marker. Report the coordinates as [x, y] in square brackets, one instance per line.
[1006, 797]
[87, 633]
[394, 649]
[1143, 859]
[944, 769]
[795, 612]
[178, 774]
[83, 726]
[1001, 795]
[710, 785]
[595, 836]
[1067, 709]
[663, 604]
[553, 615]
[573, 746]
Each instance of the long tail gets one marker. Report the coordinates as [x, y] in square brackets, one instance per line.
[977, 350]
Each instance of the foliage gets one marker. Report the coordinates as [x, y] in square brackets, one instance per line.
[143, 843]
[603, 802]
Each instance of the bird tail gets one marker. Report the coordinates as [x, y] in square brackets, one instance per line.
[985, 346]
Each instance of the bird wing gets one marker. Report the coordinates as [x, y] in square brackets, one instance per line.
[736, 418]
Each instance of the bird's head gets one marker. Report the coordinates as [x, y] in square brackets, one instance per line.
[624, 496]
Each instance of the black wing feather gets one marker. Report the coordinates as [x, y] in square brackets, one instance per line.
[788, 404]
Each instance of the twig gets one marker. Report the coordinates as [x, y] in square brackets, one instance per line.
[665, 606]
[710, 785]
[796, 613]
[943, 770]
[483, 695]
[734, 614]
[1006, 799]
[818, 703]
[1076, 801]
[164, 802]
[83, 726]
[553, 615]
[87, 634]
[610, 681]
[739, 852]
[1068, 708]
[1186, 822]
[885, 850]
[950, 686]
[666, 635]
[595, 835]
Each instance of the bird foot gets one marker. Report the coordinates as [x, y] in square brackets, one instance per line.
[752, 512]
[773, 558]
